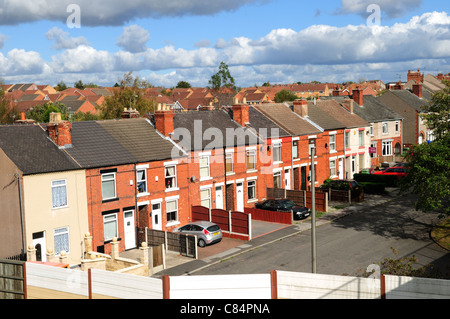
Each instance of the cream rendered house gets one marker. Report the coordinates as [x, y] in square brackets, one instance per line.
[45, 195]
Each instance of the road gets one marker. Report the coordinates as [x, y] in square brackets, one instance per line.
[348, 245]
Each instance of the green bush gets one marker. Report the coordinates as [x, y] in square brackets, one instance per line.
[373, 188]
[387, 180]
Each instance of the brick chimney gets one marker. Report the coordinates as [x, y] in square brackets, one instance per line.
[337, 93]
[417, 89]
[301, 107]
[348, 104]
[130, 114]
[358, 96]
[164, 120]
[59, 131]
[240, 113]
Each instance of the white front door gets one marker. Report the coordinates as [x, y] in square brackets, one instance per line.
[156, 216]
[40, 246]
[240, 197]
[287, 179]
[129, 229]
[219, 197]
[341, 168]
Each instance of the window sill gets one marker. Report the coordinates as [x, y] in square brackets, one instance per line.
[252, 200]
[173, 189]
[110, 200]
[252, 171]
[173, 223]
[207, 178]
[61, 207]
[143, 194]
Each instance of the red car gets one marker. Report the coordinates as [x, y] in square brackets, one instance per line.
[396, 170]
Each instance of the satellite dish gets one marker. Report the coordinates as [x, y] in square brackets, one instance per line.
[193, 178]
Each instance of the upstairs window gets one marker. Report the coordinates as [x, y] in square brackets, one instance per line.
[59, 193]
[204, 166]
[141, 179]
[171, 176]
[108, 186]
[251, 160]
[276, 152]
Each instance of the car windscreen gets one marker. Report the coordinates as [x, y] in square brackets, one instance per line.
[213, 228]
[287, 204]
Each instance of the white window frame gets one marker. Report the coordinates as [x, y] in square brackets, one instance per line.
[207, 167]
[397, 126]
[296, 154]
[361, 138]
[386, 146]
[277, 174]
[172, 221]
[65, 191]
[251, 184]
[64, 232]
[333, 173]
[332, 143]
[173, 177]
[140, 181]
[108, 180]
[115, 220]
[206, 190]
[250, 153]
[347, 139]
[385, 128]
[229, 156]
[276, 151]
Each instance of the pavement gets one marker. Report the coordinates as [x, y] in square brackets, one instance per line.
[264, 233]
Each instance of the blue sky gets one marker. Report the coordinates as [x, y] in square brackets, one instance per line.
[281, 41]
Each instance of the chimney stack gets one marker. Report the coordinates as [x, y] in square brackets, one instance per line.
[59, 131]
[348, 104]
[23, 119]
[164, 120]
[337, 93]
[130, 114]
[358, 96]
[301, 107]
[417, 89]
[241, 113]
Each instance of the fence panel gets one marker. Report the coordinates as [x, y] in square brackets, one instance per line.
[301, 198]
[49, 282]
[107, 284]
[11, 279]
[221, 287]
[416, 288]
[270, 216]
[294, 285]
[181, 243]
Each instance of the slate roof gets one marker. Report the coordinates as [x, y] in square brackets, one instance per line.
[373, 110]
[29, 147]
[140, 139]
[410, 98]
[215, 124]
[341, 114]
[320, 117]
[292, 123]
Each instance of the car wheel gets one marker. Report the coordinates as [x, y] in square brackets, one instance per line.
[201, 243]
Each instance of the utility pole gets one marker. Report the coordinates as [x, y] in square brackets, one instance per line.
[313, 212]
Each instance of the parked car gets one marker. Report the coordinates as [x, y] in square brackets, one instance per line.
[342, 184]
[398, 171]
[207, 232]
[284, 205]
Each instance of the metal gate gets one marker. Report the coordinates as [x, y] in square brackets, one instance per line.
[12, 279]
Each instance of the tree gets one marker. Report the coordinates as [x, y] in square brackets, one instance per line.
[130, 95]
[183, 85]
[437, 115]
[79, 85]
[8, 112]
[222, 79]
[61, 86]
[41, 113]
[285, 95]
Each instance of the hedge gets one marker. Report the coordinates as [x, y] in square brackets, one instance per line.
[387, 180]
[373, 188]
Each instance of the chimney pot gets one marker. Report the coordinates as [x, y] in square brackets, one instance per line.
[301, 107]
[358, 96]
[241, 114]
[59, 131]
[417, 90]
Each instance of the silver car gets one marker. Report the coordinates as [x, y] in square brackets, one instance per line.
[207, 233]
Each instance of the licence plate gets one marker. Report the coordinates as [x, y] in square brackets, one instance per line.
[216, 233]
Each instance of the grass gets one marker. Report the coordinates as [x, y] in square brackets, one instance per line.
[441, 233]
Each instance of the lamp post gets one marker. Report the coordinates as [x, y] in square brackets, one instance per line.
[313, 210]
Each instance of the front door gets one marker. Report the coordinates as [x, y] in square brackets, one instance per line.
[341, 168]
[287, 178]
[130, 230]
[240, 197]
[156, 216]
[219, 197]
[303, 178]
[39, 245]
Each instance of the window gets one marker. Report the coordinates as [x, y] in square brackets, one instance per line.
[397, 126]
[141, 179]
[229, 162]
[205, 197]
[251, 160]
[108, 186]
[347, 139]
[373, 145]
[204, 166]
[385, 128]
[295, 149]
[387, 148]
[110, 226]
[371, 129]
[172, 211]
[332, 143]
[333, 168]
[251, 190]
[361, 138]
[276, 152]
[61, 240]
[59, 193]
[171, 177]
[277, 179]
[361, 162]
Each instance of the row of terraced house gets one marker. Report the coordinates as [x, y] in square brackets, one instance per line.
[113, 178]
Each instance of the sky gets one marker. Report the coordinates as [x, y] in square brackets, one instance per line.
[276, 41]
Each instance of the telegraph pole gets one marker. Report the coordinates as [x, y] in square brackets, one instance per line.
[313, 212]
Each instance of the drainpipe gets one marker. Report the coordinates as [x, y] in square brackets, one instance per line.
[18, 176]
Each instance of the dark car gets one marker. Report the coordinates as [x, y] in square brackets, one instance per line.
[284, 205]
[343, 184]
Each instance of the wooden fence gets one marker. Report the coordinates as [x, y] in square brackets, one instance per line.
[49, 282]
[11, 279]
[302, 198]
[270, 216]
[233, 224]
[184, 244]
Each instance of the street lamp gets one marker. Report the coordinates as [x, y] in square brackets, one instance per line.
[313, 208]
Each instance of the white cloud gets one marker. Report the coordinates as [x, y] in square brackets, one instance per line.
[83, 59]
[21, 62]
[110, 12]
[2, 40]
[62, 39]
[134, 39]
